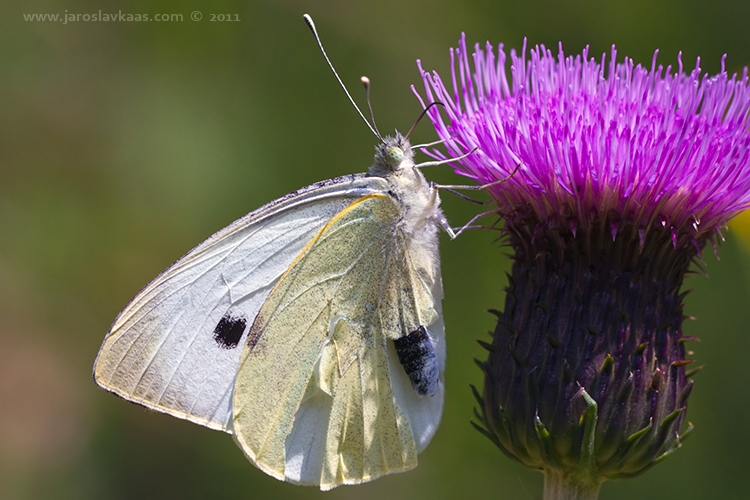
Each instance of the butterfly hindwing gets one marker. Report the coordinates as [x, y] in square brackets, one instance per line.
[321, 397]
[176, 347]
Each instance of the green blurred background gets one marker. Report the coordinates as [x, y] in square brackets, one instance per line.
[123, 145]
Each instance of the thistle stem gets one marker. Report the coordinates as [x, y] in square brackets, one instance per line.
[559, 487]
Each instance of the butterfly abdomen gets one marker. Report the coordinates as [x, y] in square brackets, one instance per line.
[417, 355]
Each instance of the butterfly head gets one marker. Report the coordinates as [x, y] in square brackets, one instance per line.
[392, 155]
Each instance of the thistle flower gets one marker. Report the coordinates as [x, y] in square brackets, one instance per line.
[622, 175]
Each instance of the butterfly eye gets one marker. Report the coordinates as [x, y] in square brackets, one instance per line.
[394, 155]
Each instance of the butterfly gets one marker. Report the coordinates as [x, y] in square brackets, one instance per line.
[311, 329]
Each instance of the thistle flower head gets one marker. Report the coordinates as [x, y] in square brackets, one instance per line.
[622, 175]
[596, 137]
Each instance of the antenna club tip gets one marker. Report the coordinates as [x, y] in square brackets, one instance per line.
[311, 25]
[365, 81]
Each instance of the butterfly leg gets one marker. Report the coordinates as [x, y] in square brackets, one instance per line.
[441, 219]
[468, 225]
[461, 195]
[475, 187]
[443, 162]
[430, 144]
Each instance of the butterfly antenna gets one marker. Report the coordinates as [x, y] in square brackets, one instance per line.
[424, 112]
[366, 82]
[311, 25]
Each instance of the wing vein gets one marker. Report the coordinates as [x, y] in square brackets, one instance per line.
[184, 289]
[291, 301]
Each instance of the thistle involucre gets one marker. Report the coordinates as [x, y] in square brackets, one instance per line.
[623, 175]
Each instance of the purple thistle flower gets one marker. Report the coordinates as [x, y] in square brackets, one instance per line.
[600, 136]
[624, 174]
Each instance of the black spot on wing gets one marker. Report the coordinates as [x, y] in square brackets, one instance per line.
[228, 332]
[417, 355]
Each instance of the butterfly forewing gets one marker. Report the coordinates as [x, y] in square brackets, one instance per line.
[176, 347]
[316, 400]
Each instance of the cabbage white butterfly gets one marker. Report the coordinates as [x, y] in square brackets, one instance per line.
[310, 329]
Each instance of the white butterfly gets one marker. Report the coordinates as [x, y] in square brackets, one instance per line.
[310, 329]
